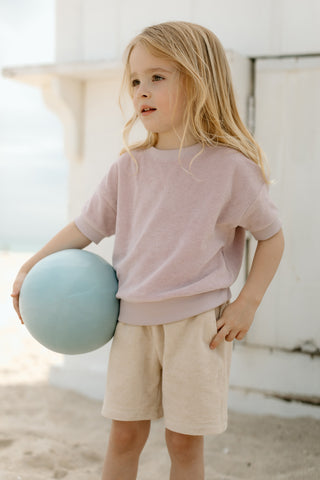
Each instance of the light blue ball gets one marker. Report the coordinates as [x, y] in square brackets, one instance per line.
[68, 301]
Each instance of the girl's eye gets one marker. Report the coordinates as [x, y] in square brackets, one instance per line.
[157, 78]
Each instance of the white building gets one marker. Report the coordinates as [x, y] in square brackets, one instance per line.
[274, 52]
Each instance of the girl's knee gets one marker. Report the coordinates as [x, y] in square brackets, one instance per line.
[184, 446]
[129, 436]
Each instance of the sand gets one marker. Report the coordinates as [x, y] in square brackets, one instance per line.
[50, 433]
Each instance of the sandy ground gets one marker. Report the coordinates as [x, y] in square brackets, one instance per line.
[49, 433]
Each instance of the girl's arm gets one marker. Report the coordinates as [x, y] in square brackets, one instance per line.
[69, 237]
[239, 315]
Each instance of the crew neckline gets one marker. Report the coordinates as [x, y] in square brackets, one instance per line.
[169, 151]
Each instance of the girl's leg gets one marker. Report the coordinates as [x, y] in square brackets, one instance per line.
[126, 443]
[187, 457]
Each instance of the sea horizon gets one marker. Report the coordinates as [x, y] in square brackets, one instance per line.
[33, 194]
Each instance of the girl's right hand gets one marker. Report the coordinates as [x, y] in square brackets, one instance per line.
[69, 237]
[16, 292]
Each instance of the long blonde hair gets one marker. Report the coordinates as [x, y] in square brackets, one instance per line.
[211, 114]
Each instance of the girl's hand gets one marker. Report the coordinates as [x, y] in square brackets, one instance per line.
[238, 316]
[69, 237]
[234, 323]
[16, 292]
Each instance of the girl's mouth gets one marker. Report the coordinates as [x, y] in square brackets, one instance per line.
[147, 111]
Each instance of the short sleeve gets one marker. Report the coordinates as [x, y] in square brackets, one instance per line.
[262, 217]
[97, 219]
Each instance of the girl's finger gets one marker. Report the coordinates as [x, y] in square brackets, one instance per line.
[218, 338]
[241, 335]
[220, 323]
[231, 336]
[16, 306]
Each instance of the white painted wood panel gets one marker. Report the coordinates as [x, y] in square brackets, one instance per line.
[288, 128]
[95, 29]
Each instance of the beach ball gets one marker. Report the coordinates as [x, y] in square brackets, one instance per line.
[68, 301]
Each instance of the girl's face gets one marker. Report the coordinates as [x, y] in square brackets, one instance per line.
[158, 96]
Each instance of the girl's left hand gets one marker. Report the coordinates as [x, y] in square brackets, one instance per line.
[234, 323]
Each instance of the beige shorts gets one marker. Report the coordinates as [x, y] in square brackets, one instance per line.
[169, 370]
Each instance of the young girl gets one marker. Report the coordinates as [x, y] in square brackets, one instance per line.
[179, 204]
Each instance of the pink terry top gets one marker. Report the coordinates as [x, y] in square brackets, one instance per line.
[179, 233]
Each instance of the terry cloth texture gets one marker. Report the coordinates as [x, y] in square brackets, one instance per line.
[169, 370]
[179, 231]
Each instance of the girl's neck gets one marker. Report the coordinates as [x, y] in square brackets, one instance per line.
[165, 143]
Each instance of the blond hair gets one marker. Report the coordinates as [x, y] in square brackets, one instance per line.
[211, 114]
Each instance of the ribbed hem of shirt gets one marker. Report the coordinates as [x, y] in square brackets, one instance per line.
[171, 310]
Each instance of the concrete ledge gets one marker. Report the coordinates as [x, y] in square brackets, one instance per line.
[271, 370]
[262, 404]
[85, 374]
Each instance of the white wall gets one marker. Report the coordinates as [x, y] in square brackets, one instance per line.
[288, 127]
[97, 29]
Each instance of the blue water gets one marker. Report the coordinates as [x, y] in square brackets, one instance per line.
[33, 196]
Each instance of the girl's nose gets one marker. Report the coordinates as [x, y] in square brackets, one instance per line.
[144, 91]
